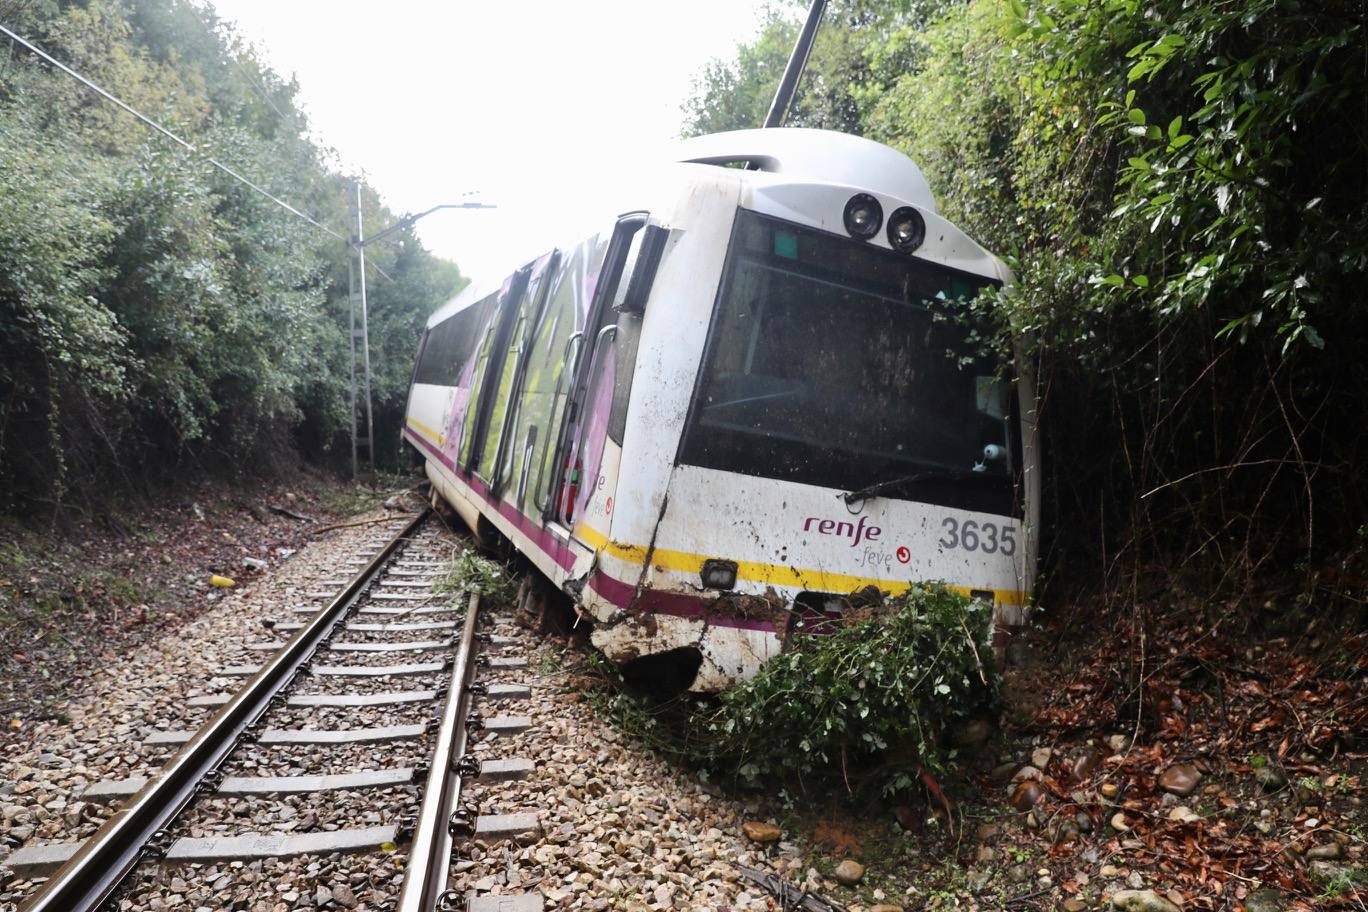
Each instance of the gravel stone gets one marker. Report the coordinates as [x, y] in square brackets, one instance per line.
[615, 820]
[146, 690]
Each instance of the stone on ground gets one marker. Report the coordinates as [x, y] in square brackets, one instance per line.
[1180, 779]
[849, 872]
[1142, 901]
[758, 831]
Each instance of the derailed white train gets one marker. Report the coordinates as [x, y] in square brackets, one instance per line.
[738, 405]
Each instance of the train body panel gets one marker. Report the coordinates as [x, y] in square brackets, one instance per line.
[796, 544]
[721, 421]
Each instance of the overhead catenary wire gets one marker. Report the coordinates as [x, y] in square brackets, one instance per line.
[237, 62]
[153, 125]
[149, 122]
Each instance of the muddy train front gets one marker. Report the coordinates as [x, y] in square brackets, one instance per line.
[810, 415]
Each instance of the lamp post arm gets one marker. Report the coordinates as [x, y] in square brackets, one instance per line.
[408, 220]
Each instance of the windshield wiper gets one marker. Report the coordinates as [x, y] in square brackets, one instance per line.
[947, 474]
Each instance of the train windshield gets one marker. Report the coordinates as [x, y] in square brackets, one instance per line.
[836, 363]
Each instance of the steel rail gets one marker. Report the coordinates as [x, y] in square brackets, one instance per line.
[430, 856]
[111, 854]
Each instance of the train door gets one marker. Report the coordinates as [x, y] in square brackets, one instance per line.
[483, 411]
[549, 384]
[587, 472]
[455, 345]
[516, 441]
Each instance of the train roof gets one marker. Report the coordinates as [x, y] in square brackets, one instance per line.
[818, 155]
[775, 155]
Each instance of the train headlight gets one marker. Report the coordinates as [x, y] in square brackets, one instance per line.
[863, 216]
[906, 229]
[719, 574]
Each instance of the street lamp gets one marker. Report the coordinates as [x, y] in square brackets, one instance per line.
[356, 269]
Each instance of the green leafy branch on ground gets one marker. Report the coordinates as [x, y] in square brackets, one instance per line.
[865, 706]
[888, 684]
[472, 572]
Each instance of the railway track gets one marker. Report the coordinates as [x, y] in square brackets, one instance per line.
[380, 668]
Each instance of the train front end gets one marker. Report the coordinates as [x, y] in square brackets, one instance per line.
[814, 416]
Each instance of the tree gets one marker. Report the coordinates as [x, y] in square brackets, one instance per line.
[157, 316]
[1180, 189]
[858, 44]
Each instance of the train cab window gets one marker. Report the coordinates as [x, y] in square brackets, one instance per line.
[837, 364]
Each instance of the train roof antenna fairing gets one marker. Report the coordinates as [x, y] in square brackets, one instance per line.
[821, 155]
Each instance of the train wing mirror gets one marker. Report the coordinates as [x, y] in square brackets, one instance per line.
[991, 396]
[653, 242]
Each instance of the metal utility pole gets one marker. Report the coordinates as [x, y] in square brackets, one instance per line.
[796, 63]
[356, 270]
[356, 264]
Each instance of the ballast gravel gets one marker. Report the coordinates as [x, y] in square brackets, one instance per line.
[329, 760]
[46, 765]
[619, 829]
[348, 684]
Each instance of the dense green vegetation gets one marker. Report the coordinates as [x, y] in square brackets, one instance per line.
[157, 316]
[883, 690]
[1182, 190]
[874, 706]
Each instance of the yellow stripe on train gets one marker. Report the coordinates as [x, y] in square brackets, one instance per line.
[767, 574]
[429, 433]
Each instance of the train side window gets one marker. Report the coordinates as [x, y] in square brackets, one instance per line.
[630, 303]
[449, 345]
[433, 363]
[486, 360]
[496, 378]
[625, 349]
[643, 260]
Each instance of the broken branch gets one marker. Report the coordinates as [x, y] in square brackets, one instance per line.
[359, 522]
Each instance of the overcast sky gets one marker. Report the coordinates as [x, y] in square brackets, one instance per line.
[519, 101]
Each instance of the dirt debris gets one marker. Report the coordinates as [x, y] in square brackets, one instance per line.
[116, 581]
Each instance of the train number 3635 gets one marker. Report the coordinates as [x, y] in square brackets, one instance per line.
[975, 536]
